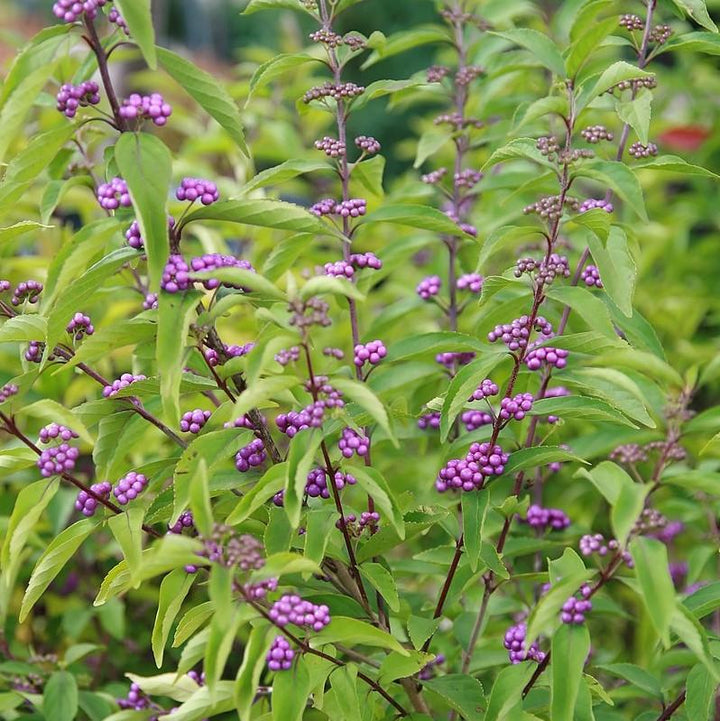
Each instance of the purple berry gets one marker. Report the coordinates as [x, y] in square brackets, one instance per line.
[486, 389]
[57, 459]
[462, 358]
[185, 520]
[514, 642]
[365, 260]
[176, 276]
[516, 333]
[138, 107]
[339, 269]
[472, 420]
[331, 147]
[429, 420]
[591, 276]
[71, 10]
[129, 487]
[367, 144]
[193, 189]
[429, 287]
[114, 195]
[28, 290]
[517, 407]
[287, 355]
[53, 431]
[574, 609]
[7, 391]
[250, 456]
[71, 97]
[372, 353]
[592, 203]
[122, 382]
[544, 519]
[212, 261]
[352, 442]
[80, 326]
[86, 503]
[280, 656]
[193, 421]
[293, 609]
[471, 281]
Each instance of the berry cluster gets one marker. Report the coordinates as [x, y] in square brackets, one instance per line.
[176, 275]
[53, 431]
[365, 260]
[592, 203]
[339, 269]
[545, 355]
[471, 281]
[596, 133]
[368, 144]
[193, 421]
[305, 313]
[317, 486]
[429, 420]
[352, 442]
[634, 84]
[71, 10]
[458, 121]
[71, 97]
[336, 91]
[467, 178]
[231, 351]
[516, 333]
[7, 391]
[372, 353]
[517, 407]
[150, 301]
[436, 73]
[34, 351]
[428, 670]
[280, 656]
[129, 487]
[260, 589]
[470, 473]
[660, 34]
[472, 420]
[250, 456]
[136, 700]
[138, 107]
[293, 609]
[80, 326]
[193, 189]
[326, 37]
[544, 519]
[331, 147]
[28, 290]
[514, 642]
[185, 520]
[115, 17]
[351, 208]
[486, 389]
[226, 548]
[242, 422]
[369, 519]
[114, 195]
[467, 74]
[287, 355]
[551, 207]
[429, 287]
[213, 261]
[451, 358]
[312, 416]
[595, 543]
[331, 352]
[631, 22]
[574, 609]
[638, 150]
[86, 503]
[591, 276]
[434, 177]
[122, 382]
[58, 459]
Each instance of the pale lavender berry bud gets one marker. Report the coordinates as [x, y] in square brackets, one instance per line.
[574, 609]
[153, 107]
[331, 147]
[122, 382]
[472, 420]
[638, 150]
[192, 189]
[544, 519]
[28, 290]
[57, 459]
[434, 177]
[7, 391]
[450, 359]
[486, 389]
[339, 269]
[71, 97]
[467, 178]
[336, 353]
[150, 302]
[129, 487]
[367, 144]
[592, 203]
[429, 287]
[287, 355]
[193, 421]
[54, 431]
[80, 326]
[365, 260]
[323, 207]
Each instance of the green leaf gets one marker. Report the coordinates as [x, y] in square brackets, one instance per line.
[621, 180]
[19, 229]
[30, 504]
[140, 24]
[616, 73]
[422, 217]
[637, 676]
[253, 664]
[589, 409]
[656, 587]
[505, 700]
[588, 39]
[223, 630]
[702, 42]
[80, 293]
[403, 41]
[527, 458]
[343, 682]
[675, 164]
[369, 173]
[285, 171]
[60, 697]
[596, 220]
[55, 191]
[692, 634]
[636, 113]
[23, 328]
[256, 5]
[290, 693]
[697, 10]
[127, 529]
[175, 311]
[647, 363]
[191, 622]
[395, 665]
[570, 648]
[263, 213]
[540, 46]
[173, 590]
[430, 142]
[353, 632]
[617, 268]
[467, 379]
[523, 148]
[325, 284]
[59, 551]
[431, 343]
[284, 564]
[275, 67]
[474, 510]
[362, 395]
[145, 163]
[300, 459]
[178, 688]
[318, 532]
[382, 581]
[627, 510]
[272, 482]
[203, 703]
[701, 690]
[375, 485]
[207, 92]
[461, 692]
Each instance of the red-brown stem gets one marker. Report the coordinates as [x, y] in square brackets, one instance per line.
[668, 711]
